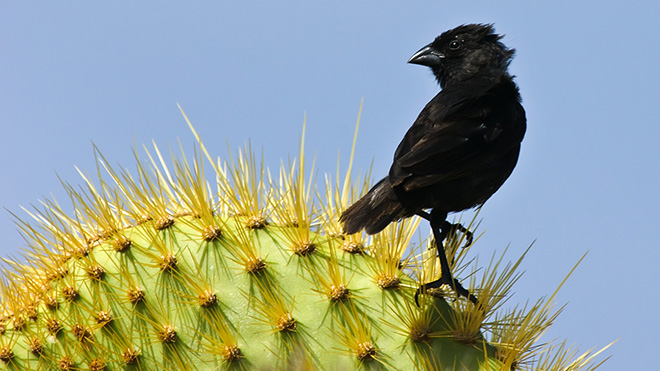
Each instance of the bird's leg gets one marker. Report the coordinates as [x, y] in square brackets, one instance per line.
[423, 214]
[441, 227]
[446, 226]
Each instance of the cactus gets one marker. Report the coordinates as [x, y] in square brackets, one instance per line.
[159, 272]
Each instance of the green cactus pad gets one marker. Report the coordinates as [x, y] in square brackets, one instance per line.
[154, 297]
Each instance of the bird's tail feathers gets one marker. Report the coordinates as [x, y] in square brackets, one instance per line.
[374, 211]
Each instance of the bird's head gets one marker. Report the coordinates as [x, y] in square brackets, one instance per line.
[465, 52]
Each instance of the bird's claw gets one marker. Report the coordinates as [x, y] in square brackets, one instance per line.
[469, 236]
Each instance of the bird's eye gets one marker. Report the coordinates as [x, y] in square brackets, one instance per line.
[455, 45]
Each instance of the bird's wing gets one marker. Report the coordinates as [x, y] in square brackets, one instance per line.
[446, 142]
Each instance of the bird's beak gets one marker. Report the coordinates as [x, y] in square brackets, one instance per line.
[427, 56]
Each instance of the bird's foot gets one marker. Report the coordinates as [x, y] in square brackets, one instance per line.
[469, 236]
[451, 282]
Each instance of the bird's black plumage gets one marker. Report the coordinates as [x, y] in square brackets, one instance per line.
[465, 142]
[462, 146]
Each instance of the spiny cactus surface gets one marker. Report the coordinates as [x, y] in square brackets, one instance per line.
[159, 272]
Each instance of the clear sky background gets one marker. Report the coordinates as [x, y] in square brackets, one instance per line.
[588, 176]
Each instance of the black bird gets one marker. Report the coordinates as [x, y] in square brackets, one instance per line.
[460, 150]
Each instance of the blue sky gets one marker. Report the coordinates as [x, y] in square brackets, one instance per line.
[112, 73]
